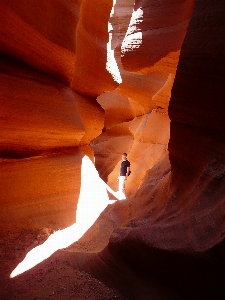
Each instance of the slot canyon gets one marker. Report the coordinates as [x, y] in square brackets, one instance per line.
[82, 82]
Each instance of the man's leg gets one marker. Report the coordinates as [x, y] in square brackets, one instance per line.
[122, 184]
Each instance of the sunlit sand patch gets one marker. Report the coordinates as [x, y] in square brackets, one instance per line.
[93, 199]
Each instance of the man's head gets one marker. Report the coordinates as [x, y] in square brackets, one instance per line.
[124, 156]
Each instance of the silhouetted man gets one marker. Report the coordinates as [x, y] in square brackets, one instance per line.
[124, 173]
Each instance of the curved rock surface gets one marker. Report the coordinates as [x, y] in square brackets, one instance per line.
[90, 76]
[155, 35]
[33, 34]
[95, 79]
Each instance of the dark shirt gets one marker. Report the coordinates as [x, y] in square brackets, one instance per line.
[123, 167]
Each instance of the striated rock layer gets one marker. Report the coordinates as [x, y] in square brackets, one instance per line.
[40, 114]
[181, 209]
[96, 79]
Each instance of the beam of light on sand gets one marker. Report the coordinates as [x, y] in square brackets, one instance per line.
[92, 201]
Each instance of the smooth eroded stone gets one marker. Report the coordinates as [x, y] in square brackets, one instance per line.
[41, 191]
[37, 116]
[155, 33]
[41, 34]
[92, 76]
[117, 108]
[92, 116]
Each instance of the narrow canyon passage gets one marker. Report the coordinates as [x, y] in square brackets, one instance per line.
[81, 82]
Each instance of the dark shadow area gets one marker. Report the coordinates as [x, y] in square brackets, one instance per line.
[193, 276]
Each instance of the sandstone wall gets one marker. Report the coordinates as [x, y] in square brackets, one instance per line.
[148, 65]
[174, 226]
[56, 60]
[100, 78]
[184, 205]
[41, 114]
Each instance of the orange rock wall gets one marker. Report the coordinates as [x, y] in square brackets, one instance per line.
[41, 114]
[184, 206]
[35, 34]
[90, 76]
[40, 191]
[176, 228]
[162, 102]
[54, 66]
[141, 101]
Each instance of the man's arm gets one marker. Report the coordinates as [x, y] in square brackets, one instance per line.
[128, 169]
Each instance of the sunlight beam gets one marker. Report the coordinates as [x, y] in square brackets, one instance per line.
[111, 65]
[93, 199]
[133, 37]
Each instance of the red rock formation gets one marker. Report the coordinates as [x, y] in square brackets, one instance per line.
[91, 76]
[38, 35]
[40, 191]
[37, 115]
[155, 35]
[147, 88]
[184, 207]
[40, 114]
[198, 122]
[166, 240]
